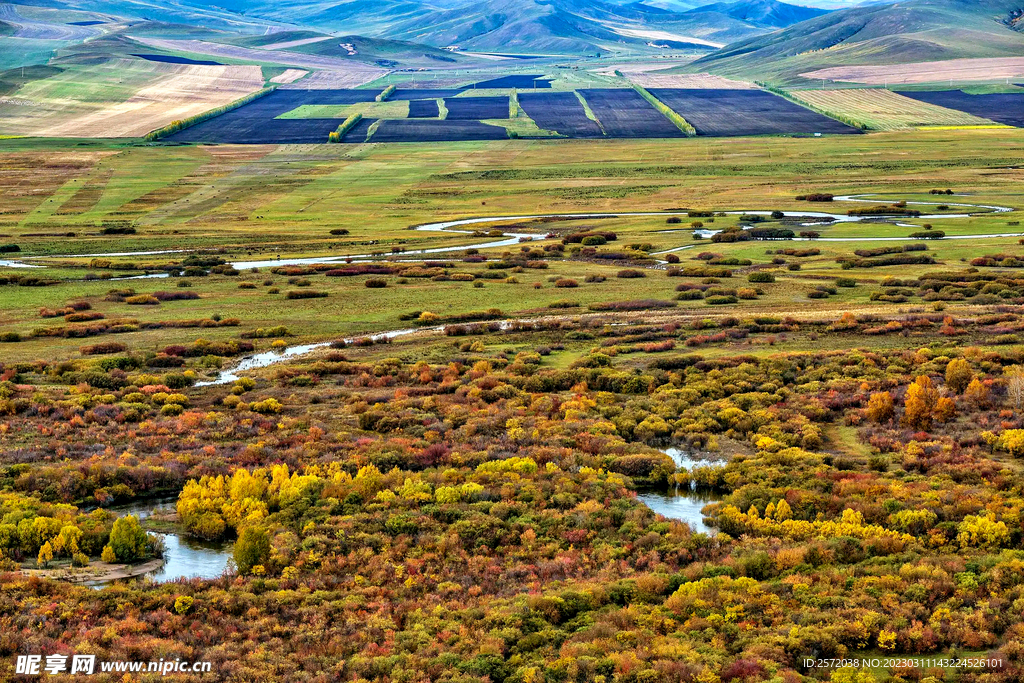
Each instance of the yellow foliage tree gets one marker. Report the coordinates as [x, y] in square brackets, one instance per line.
[880, 407]
[919, 404]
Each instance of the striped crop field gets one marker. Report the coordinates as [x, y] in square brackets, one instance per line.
[885, 110]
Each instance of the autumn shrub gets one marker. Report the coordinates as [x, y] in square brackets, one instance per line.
[305, 294]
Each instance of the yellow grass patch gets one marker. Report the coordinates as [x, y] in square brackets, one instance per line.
[123, 98]
[886, 110]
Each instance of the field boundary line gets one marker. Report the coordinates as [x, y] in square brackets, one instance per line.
[671, 114]
[590, 112]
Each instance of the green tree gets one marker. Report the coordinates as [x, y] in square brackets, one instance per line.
[128, 539]
[251, 549]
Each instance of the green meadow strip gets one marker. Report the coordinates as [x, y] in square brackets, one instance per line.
[669, 113]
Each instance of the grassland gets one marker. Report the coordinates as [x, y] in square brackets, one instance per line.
[255, 203]
[398, 109]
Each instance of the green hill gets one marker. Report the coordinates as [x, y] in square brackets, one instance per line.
[915, 31]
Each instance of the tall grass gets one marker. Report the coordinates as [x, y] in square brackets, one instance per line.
[386, 93]
[181, 124]
[681, 123]
[346, 125]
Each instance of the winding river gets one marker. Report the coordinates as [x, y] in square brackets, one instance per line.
[511, 238]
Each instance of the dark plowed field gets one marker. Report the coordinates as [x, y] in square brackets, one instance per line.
[170, 59]
[1006, 108]
[257, 122]
[625, 114]
[516, 81]
[476, 108]
[425, 94]
[425, 130]
[359, 131]
[423, 109]
[561, 112]
[724, 113]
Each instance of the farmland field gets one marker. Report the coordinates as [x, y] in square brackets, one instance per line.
[255, 122]
[522, 81]
[625, 114]
[122, 97]
[745, 112]
[976, 69]
[886, 110]
[424, 109]
[426, 130]
[561, 112]
[477, 108]
[1005, 108]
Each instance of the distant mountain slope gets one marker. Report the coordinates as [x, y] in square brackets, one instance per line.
[918, 30]
[768, 13]
[585, 25]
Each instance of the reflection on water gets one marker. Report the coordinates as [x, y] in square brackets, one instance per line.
[183, 556]
[683, 460]
[683, 505]
[190, 558]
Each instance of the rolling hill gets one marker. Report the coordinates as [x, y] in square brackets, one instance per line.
[533, 26]
[914, 31]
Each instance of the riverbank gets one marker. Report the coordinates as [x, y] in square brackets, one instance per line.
[97, 572]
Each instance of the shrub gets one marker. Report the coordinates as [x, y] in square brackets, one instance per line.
[846, 282]
[721, 300]
[630, 273]
[567, 283]
[305, 294]
[103, 348]
[270, 406]
[339, 231]
[376, 283]
[761, 276]
[593, 241]
[142, 300]
[252, 549]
